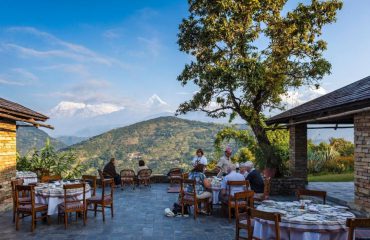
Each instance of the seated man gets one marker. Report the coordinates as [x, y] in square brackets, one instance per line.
[243, 169]
[110, 171]
[254, 178]
[231, 176]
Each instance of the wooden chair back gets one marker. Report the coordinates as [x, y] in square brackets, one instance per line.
[273, 217]
[189, 183]
[21, 191]
[231, 184]
[175, 171]
[144, 173]
[14, 183]
[46, 179]
[69, 190]
[243, 200]
[313, 193]
[185, 176]
[92, 181]
[128, 173]
[108, 182]
[353, 223]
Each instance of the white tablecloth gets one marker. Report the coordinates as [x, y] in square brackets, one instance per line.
[54, 196]
[28, 177]
[330, 223]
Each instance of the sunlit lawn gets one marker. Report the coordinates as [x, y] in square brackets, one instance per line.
[332, 177]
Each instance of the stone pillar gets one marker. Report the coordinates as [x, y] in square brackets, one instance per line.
[7, 161]
[362, 160]
[298, 151]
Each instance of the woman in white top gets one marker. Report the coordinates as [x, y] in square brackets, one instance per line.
[199, 158]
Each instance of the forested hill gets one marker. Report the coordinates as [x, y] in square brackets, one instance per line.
[163, 143]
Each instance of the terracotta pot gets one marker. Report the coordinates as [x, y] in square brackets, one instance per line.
[269, 172]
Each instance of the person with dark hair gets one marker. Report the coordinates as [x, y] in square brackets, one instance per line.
[201, 183]
[142, 166]
[199, 158]
[110, 171]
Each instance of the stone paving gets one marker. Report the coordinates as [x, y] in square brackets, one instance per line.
[338, 192]
[139, 214]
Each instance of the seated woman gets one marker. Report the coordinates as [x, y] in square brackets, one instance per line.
[201, 182]
[110, 171]
[141, 166]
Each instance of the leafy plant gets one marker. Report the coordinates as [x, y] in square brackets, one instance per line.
[49, 160]
[317, 160]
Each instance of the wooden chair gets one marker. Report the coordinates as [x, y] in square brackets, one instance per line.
[185, 176]
[175, 176]
[242, 200]
[92, 181]
[190, 198]
[273, 217]
[46, 179]
[23, 199]
[230, 202]
[71, 204]
[266, 190]
[105, 200]
[127, 177]
[353, 223]
[29, 209]
[312, 193]
[143, 177]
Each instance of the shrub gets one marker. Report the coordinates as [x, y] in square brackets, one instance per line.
[317, 160]
[49, 160]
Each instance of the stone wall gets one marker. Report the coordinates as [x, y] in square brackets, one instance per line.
[362, 160]
[286, 185]
[7, 161]
[298, 150]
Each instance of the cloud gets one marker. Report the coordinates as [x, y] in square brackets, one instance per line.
[9, 82]
[25, 73]
[113, 33]
[295, 98]
[18, 77]
[78, 69]
[66, 49]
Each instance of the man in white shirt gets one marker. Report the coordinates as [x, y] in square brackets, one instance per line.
[199, 158]
[225, 162]
[232, 176]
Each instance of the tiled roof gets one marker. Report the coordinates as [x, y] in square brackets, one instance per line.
[15, 109]
[356, 95]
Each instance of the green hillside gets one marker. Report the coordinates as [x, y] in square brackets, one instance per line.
[163, 143]
[31, 138]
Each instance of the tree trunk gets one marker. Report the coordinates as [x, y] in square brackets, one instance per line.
[271, 158]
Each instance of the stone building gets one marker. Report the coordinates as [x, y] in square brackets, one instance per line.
[10, 114]
[347, 105]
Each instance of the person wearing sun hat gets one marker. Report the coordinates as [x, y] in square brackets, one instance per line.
[225, 161]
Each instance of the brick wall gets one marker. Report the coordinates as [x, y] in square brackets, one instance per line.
[298, 151]
[362, 160]
[7, 161]
[286, 185]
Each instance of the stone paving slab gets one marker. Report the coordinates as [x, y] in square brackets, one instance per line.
[139, 214]
[338, 192]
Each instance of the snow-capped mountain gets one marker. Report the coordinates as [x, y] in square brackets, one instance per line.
[79, 109]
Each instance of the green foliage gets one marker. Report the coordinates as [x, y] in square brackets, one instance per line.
[343, 147]
[48, 159]
[243, 78]
[244, 155]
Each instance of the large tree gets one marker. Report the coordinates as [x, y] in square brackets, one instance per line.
[248, 53]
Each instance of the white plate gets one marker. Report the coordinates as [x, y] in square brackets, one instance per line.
[341, 207]
[346, 214]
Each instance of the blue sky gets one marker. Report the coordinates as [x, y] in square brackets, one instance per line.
[120, 53]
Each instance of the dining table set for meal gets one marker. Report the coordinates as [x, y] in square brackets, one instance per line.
[52, 194]
[304, 220]
[216, 188]
[27, 176]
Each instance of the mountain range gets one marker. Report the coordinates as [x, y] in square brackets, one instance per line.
[163, 143]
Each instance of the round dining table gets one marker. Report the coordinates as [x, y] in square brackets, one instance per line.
[52, 194]
[304, 220]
